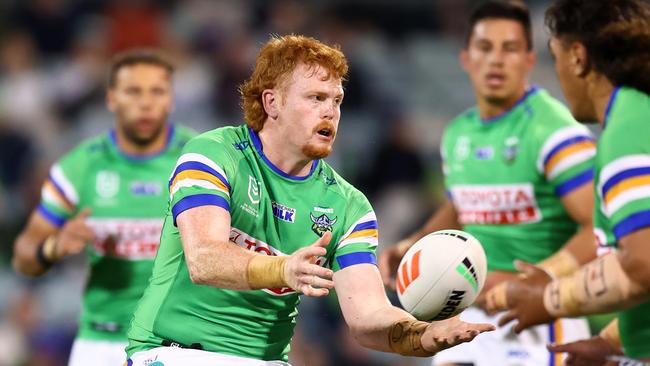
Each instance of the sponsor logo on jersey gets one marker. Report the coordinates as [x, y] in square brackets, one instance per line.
[484, 153]
[254, 191]
[283, 212]
[248, 242]
[498, 204]
[138, 188]
[511, 149]
[451, 306]
[321, 224]
[241, 145]
[324, 209]
[133, 239]
[107, 183]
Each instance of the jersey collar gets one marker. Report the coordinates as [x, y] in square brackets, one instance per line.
[259, 148]
[112, 134]
[528, 93]
[610, 104]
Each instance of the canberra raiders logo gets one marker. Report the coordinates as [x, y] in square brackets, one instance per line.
[321, 224]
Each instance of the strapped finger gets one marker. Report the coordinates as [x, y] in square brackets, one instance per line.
[496, 298]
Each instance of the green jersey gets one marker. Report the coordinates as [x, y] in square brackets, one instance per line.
[623, 194]
[506, 177]
[127, 196]
[272, 213]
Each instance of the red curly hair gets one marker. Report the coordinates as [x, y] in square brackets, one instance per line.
[277, 59]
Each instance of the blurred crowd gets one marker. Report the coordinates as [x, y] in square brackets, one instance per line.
[404, 84]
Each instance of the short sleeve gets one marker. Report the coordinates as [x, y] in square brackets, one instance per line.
[202, 176]
[566, 158]
[359, 242]
[60, 192]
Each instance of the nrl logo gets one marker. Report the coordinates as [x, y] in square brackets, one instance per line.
[321, 224]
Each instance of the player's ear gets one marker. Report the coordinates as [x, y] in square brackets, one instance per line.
[578, 59]
[270, 102]
[531, 59]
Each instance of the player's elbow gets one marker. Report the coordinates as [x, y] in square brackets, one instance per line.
[637, 268]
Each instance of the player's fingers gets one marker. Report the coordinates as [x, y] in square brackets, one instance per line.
[525, 267]
[314, 270]
[310, 252]
[324, 240]
[481, 327]
[83, 214]
[314, 292]
[316, 281]
[519, 327]
[557, 347]
[496, 299]
[507, 318]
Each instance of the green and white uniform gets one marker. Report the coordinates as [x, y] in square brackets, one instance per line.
[623, 194]
[506, 177]
[272, 213]
[127, 198]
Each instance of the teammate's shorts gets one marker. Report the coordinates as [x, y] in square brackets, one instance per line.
[97, 353]
[175, 356]
[503, 347]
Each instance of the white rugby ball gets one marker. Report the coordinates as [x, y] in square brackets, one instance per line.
[441, 275]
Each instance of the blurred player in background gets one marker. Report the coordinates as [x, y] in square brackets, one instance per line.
[602, 59]
[518, 170]
[246, 203]
[108, 196]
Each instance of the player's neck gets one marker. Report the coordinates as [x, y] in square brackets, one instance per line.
[282, 156]
[129, 147]
[600, 92]
[488, 110]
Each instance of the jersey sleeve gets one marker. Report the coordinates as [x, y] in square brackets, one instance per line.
[624, 190]
[60, 191]
[359, 242]
[566, 158]
[202, 176]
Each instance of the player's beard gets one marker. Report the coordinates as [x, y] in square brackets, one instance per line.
[131, 134]
[320, 151]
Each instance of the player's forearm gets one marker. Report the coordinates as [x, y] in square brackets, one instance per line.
[218, 264]
[599, 286]
[579, 250]
[25, 258]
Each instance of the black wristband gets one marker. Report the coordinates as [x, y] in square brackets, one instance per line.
[42, 259]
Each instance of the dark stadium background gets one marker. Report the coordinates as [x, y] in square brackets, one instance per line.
[404, 84]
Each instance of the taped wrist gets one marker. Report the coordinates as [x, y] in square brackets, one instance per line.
[600, 286]
[611, 334]
[560, 264]
[405, 338]
[46, 252]
[266, 271]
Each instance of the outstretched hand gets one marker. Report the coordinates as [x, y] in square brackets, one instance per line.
[443, 334]
[588, 352]
[74, 236]
[302, 273]
[523, 298]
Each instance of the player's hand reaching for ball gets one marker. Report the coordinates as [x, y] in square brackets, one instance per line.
[587, 352]
[302, 273]
[443, 334]
[73, 237]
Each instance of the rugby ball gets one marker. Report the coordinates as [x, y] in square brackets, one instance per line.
[441, 275]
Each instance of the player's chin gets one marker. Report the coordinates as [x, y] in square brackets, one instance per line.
[318, 150]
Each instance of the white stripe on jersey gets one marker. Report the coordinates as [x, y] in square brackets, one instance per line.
[370, 216]
[188, 157]
[188, 182]
[62, 181]
[626, 197]
[619, 165]
[571, 161]
[556, 138]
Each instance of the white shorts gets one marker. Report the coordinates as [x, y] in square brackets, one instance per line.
[503, 348]
[98, 353]
[174, 356]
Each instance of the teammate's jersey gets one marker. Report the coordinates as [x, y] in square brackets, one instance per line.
[506, 177]
[622, 185]
[127, 198]
[271, 213]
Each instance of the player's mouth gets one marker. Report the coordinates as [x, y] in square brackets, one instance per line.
[325, 131]
[495, 79]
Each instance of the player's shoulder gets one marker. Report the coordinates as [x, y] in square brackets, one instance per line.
[630, 108]
[89, 150]
[339, 185]
[183, 134]
[469, 115]
[219, 140]
[548, 113]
